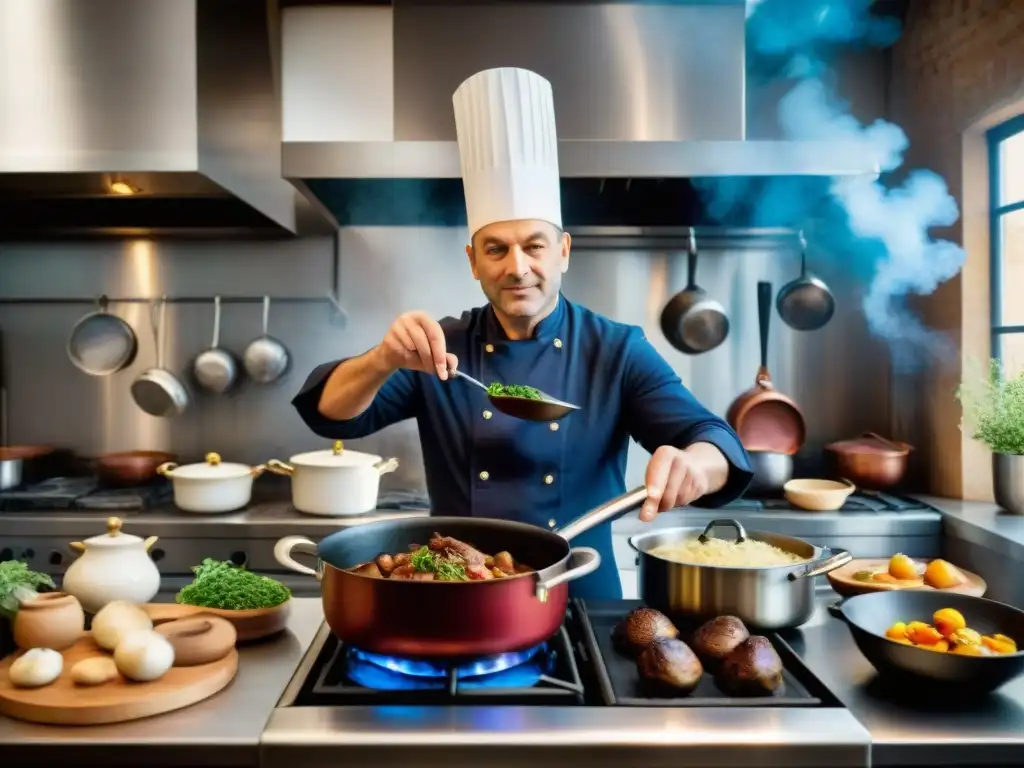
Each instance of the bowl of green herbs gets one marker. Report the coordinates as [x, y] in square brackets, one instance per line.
[258, 606]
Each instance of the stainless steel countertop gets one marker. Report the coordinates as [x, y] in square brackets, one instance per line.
[983, 523]
[224, 730]
[244, 726]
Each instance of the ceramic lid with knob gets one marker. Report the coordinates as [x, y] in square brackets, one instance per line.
[336, 457]
[211, 469]
[114, 537]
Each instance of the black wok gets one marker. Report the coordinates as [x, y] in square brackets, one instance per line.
[868, 616]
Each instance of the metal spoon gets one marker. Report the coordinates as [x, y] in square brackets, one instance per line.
[548, 408]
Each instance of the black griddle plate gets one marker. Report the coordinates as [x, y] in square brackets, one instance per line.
[621, 684]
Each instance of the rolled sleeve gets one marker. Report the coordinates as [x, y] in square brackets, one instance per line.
[396, 401]
[659, 410]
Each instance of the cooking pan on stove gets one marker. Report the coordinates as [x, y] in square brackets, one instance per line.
[918, 669]
[451, 619]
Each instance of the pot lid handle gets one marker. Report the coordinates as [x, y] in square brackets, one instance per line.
[741, 533]
[339, 448]
[114, 526]
[213, 458]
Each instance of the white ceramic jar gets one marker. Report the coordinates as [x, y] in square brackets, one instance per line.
[211, 487]
[334, 483]
[113, 566]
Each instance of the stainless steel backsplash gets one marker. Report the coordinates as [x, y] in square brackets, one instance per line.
[838, 375]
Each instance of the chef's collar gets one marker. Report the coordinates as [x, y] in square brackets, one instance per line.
[547, 329]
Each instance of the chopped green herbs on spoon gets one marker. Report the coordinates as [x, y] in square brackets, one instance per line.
[445, 570]
[514, 390]
[229, 587]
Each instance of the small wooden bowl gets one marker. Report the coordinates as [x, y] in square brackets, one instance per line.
[844, 584]
[818, 495]
[250, 625]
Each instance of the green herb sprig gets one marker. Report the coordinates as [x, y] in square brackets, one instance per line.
[514, 390]
[993, 409]
[230, 587]
[18, 583]
[445, 570]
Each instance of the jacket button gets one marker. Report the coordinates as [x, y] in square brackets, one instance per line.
[487, 414]
[553, 426]
[549, 479]
[552, 523]
[489, 348]
[485, 475]
[558, 343]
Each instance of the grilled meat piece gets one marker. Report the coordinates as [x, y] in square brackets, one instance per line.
[448, 545]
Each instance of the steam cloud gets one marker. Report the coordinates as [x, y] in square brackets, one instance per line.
[882, 228]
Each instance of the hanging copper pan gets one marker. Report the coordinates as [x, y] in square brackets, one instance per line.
[764, 418]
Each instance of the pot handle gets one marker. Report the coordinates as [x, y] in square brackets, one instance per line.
[258, 470]
[584, 560]
[166, 468]
[611, 510]
[834, 558]
[736, 525]
[283, 554]
[386, 466]
[280, 468]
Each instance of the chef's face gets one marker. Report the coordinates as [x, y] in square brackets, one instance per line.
[520, 265]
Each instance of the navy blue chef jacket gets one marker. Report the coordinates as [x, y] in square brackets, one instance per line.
[481, 462]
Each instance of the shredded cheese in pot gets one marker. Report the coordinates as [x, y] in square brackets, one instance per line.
[746, 554]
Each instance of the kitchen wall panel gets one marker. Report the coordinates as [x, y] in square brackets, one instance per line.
[838, 375]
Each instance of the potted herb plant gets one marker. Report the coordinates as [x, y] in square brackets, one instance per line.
[17, 583]
[993, 410]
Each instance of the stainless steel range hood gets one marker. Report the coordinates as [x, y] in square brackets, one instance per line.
[142, 117]
[643, 91]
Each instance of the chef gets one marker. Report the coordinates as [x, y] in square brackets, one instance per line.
[479, 461]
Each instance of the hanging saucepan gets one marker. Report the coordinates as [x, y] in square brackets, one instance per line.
[158, 391]
[101, 343]
[692, 322]
[266, 359]
[215, 369]
[764, 418]
[805, 304]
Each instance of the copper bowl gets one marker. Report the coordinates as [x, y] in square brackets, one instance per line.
[130, 468]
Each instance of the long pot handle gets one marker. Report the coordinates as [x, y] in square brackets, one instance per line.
[836, 558]
[611, 510]
[280, 468]
[283, 554]
[584, 560]
[764, 317]
[386, 466]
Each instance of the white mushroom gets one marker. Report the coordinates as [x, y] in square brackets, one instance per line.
[116, 621]
[144, 655]
[36, 667]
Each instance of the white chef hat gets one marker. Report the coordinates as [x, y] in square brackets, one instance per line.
[505, 122]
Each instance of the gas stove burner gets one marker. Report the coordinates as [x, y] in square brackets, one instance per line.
[518, 669]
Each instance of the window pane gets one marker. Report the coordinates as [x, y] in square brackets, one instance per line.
[1013, 354]
[1012, 278]
[1011, 169]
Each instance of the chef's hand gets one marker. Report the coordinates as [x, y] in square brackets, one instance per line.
[675, 478]
[415, 341]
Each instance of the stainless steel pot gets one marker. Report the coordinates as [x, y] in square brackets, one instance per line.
[768, 598]
[771, 471]
[1008, 481]
[10, 471]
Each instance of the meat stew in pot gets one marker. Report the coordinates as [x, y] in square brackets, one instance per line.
[443, 558]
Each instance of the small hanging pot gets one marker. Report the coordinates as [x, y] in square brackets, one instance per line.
[805, 304]
[691, 321]
[266, 359]
[215, 369]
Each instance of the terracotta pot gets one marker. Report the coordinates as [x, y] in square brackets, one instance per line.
[52, 620]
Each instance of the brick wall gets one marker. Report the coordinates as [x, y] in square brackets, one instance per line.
[957, 70]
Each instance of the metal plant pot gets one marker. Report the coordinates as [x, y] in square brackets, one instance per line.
[1008, 481]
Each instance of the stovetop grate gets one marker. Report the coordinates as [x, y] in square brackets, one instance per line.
[558, 683]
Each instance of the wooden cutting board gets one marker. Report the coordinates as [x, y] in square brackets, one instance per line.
[116, 701]
[250, 625]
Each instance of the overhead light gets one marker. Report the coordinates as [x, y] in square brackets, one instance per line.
[122, 188]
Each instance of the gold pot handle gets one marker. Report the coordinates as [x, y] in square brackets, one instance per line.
[149, 542]
[258, 470]
[166, 468]
[76, 547]
[386, 466]
[280, 468]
